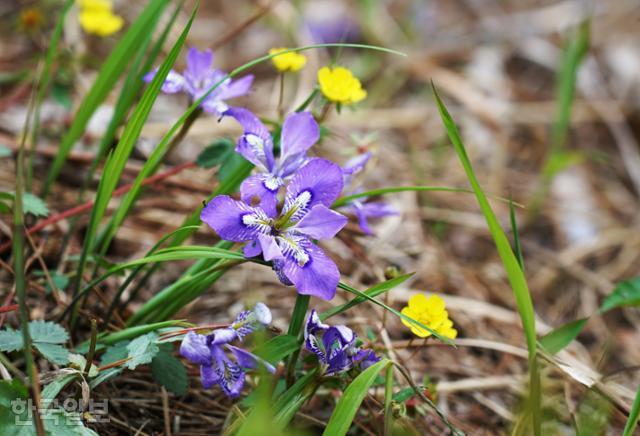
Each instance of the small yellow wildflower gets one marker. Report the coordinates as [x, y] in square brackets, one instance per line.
[291, 61]
[340, 86]
[31, 19]
[432, 313]
[96, 17]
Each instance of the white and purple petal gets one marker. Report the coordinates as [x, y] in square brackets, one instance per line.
[208, 376]
[270, 248]
[321, 222]
[237, 88]
[263, 187]
[223, 336]
[198, 64]
[235, 220]
[299, 132]
[256, 144]
[319, 276]
[317, 182]
[194, 347]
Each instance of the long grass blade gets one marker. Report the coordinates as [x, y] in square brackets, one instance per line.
[109, 74]
[117, 161]
[514, 271]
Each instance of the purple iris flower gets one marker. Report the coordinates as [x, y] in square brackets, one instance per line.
[335, 346]
[299, 132]
[224, 364]
[286, 238]
[199, 77]
[359, 207]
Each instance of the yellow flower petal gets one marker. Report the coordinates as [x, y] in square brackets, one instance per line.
[339, 85]
[291, 61]
[430, 311]
[95, 5]
[100, 23]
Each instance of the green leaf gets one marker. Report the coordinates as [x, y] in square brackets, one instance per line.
[108, 75]
[170, 372]
[4, 207]
[105, 375]
[276, 349]
[34, 205]
[54, 353]
[79, 362]
[10, 340]
[142, 350]
[215, 153]
[47, 331]
[232, 163]
[348, 405]
[52, 390]
[626, 293]
[115, 353]
[557, 339]
[60, 281]
[514, 272]
[5, 151]
[632, 422]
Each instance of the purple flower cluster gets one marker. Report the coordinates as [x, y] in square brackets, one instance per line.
[286, 236]
[220, 362]
[335, 346]
[286, 206]
[199, 76]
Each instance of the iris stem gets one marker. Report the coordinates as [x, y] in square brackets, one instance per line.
[295, 329]
[388, 397]
[281, 97]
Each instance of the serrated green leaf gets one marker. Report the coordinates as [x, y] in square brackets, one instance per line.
[170, 372]
[215, 153]
[34, 205]
[54, 353]
[115, 352]
[348, 405]
[47, 332]
[626, 293]
[5, 151]
[10, 340]
[142, 350]
[557, 339]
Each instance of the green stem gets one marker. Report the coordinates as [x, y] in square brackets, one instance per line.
[308, 101]
[92, 346]
[388, 396]
[295, 329]
[20, 279]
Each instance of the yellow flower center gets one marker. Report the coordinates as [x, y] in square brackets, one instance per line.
[339, 85]
[291, 61]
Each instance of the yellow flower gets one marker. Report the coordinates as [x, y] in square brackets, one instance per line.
[96, 17]
[340, 86]
[291, 61]
[432, 313]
